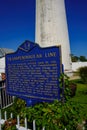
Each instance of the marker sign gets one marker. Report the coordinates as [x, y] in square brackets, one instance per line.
[32, 73]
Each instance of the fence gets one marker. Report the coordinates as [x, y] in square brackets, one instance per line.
[18, 126]
[5, 99]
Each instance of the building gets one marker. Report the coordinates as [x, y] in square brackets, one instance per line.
[3, 52]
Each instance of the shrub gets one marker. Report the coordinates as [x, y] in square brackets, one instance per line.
[83, 74]
[15, 108]
[54, 116]
[67, 87]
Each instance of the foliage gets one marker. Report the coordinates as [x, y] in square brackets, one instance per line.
[82, 58]
[54, 116]
[68, 88]
[76, 58]
[15, 108]
[64, 87]
[10, 124]
[83, 74]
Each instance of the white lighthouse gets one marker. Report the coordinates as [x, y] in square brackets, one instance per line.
[51, 28]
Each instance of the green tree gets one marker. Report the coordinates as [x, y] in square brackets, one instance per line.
[82, 58]
[74, 58]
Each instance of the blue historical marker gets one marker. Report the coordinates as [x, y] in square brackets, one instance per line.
[32, 73]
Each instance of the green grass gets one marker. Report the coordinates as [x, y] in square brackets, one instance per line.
[81, 97]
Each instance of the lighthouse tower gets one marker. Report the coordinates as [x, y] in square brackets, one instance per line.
[51, 28]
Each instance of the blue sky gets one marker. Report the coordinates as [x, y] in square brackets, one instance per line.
[17, 24]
